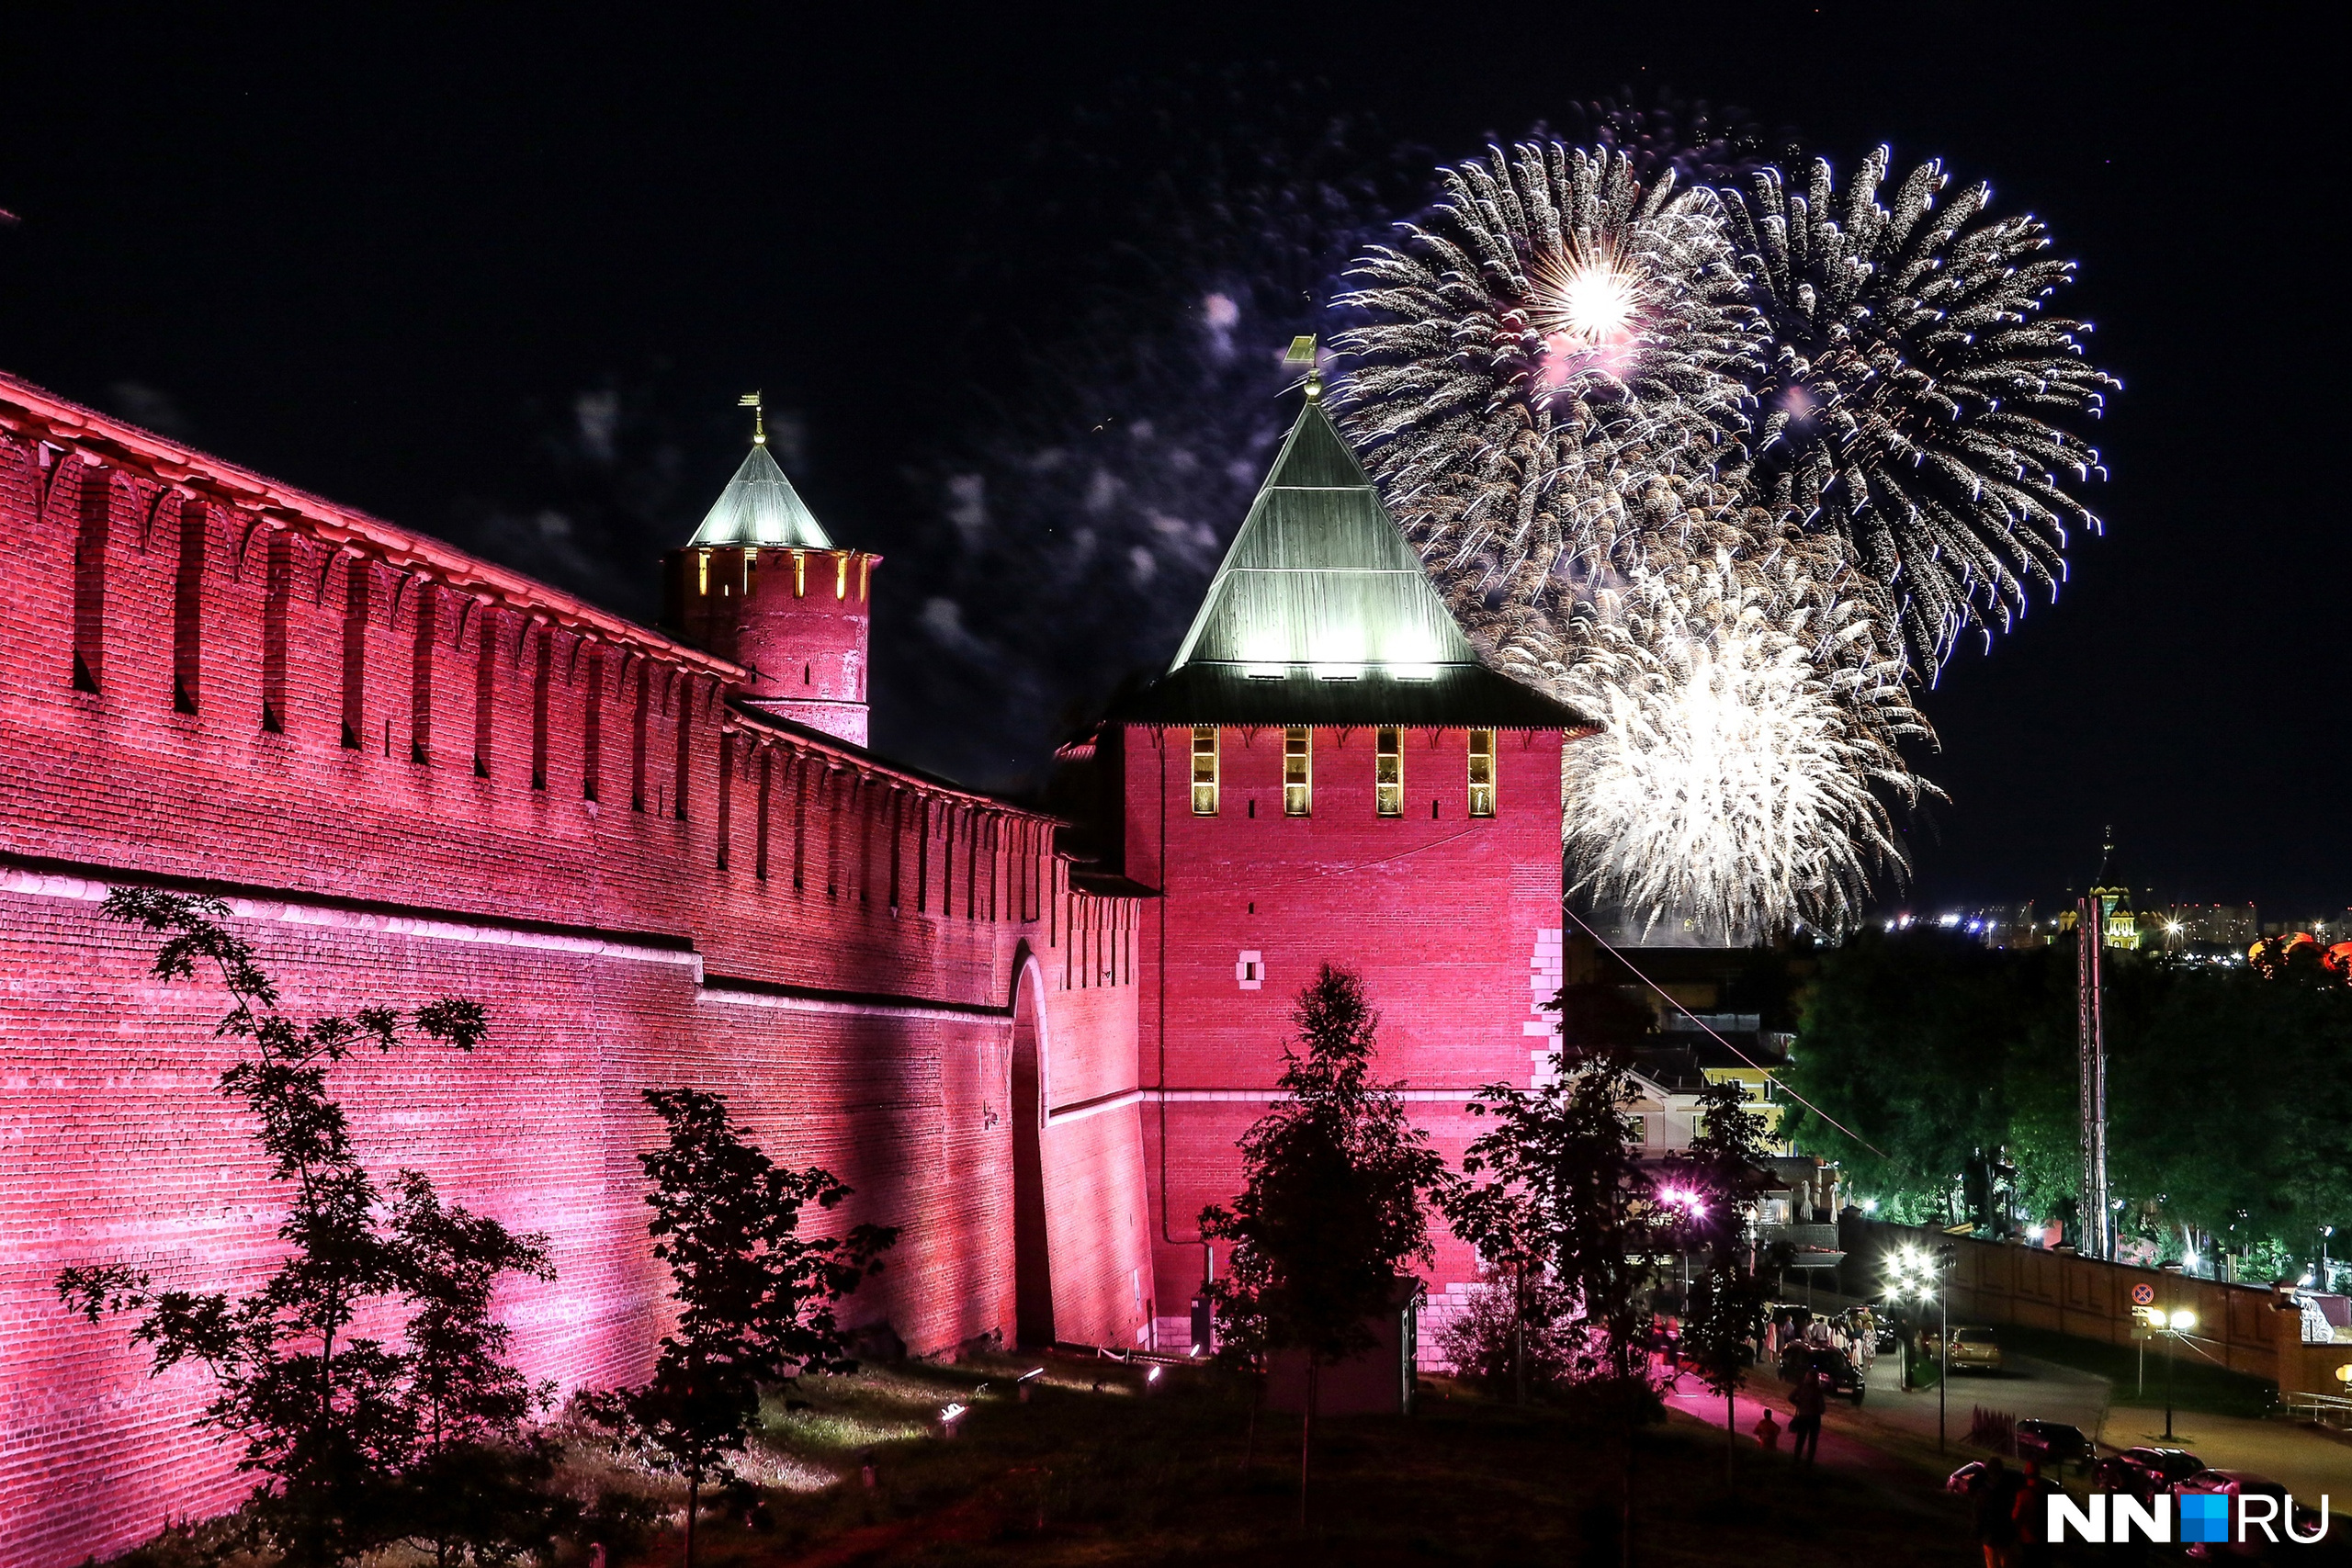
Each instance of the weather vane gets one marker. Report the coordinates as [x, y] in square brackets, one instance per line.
[759, 417]
[1302, 352]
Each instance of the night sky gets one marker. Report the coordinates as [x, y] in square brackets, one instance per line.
[502, 280]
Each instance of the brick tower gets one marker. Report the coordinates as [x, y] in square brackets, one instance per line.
[762, 584]
[1328, 773]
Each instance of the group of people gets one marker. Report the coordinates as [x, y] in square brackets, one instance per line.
[1853, 1332]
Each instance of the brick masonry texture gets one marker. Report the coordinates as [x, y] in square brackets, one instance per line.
[415, 774]
[1440, 912]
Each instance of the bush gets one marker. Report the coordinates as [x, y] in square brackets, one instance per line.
[1482, 1343]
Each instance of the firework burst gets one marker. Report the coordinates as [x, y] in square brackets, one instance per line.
[1747, 739]
[1915, 396]
[1547, 339]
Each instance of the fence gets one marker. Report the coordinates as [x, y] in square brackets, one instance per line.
[2248, 1328]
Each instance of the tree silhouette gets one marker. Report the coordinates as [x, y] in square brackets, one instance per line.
[348, 1432]
[1330, 1211]
[755, 1298]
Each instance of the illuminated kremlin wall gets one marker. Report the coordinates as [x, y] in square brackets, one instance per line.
[414, 773]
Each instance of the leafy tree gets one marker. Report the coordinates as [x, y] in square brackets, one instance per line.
[346, 1429]
[2229, 1093]
[476, 1486]
[1723, 1171]
[755, 1298]
[1330, 1211]
[1943, 1053]
[1563, 1184]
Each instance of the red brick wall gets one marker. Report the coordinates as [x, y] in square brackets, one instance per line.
[1453, 922]
[854, 1003]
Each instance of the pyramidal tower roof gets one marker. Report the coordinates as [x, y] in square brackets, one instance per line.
[1321, 577]
[1322, 614]
[759, 507]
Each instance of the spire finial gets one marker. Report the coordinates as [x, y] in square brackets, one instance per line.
[1302, 352]
[759, 417]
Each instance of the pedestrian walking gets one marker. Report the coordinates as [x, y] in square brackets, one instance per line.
[1992, 1510]
[1768, 1432]
[1809, 1399]
[2029, 1514]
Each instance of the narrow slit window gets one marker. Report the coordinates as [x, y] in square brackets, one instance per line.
[638, 724]
[684, 691]
[1482, 773]
[542, 683]
[1388, 773]
[420, 680]
[591, 726]
[278, 593]
[1204, 769]
[1298, 776]
[767, 789]
[485, 688]
[187, 607]
[355, 585]
[95, 505]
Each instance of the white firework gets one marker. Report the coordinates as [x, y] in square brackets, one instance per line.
[1550, 341]
[1916, 396]
[1746, 738]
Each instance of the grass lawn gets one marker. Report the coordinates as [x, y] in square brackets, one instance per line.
[1120, 1476]
[2198, 1384]
[1115, 1475]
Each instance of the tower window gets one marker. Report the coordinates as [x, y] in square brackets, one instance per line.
[1388, 773]
[702, 572]
[1204, 769]
[1298, 779]
[1482, 773]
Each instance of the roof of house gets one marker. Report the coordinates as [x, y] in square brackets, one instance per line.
[1321, 614]
[760, 509]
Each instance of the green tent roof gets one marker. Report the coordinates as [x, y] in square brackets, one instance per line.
[1321, 614]
[759, 507]
[1320, 576]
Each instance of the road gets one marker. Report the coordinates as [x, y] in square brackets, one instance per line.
[2023, 1387]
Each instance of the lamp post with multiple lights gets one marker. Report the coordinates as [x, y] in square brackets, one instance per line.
[1916, 1273]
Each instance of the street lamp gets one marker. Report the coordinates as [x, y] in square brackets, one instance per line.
[2176, 1324]
[1918, 1273]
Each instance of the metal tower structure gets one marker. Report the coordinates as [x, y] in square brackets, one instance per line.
[2095, 1231]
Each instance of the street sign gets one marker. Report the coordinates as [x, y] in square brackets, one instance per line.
[2143, 1295]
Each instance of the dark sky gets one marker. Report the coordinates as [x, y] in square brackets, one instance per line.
[386, 260]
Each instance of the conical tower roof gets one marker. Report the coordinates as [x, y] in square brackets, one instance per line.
[1321, 614]
[1320, 576]
[759, 507]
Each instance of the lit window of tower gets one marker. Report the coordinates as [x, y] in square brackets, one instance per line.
[1204, 769]
[1297, 779]
[1482, 773]
[1388, 773]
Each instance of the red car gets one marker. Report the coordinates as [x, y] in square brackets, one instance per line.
[2241, 1484]
[2144, 1473]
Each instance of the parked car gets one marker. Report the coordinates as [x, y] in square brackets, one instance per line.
[2143, 1473]
[2241, 1483]
[1974, 1351]
[1839, 1373]
[2053, 1443]
[1963, 1482]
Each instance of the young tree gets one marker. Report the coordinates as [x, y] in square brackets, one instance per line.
[1563, 1185]
[1723, 1171]
[476, 1488]
[1330, 1211]
[755, 1297]
[337, 1424]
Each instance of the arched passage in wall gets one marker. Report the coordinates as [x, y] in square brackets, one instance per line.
[1032, 1272]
